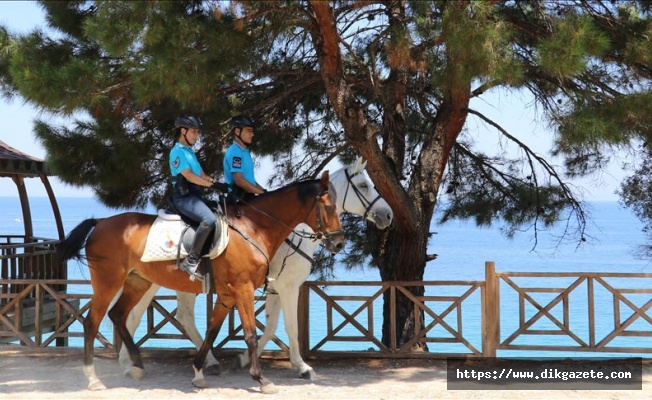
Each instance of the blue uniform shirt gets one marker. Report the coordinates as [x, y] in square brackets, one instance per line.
[183, 157]
[238, 159]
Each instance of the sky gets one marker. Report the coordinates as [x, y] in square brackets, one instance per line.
[513, 111]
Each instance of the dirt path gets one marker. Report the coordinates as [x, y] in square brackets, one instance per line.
[47, 375]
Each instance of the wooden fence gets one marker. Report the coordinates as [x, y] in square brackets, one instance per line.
[463, 319]
[21, 258]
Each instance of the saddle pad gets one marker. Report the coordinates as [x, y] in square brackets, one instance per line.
[165, 234]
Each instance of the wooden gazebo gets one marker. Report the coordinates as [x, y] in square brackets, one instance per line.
[18, 166]
[26, 259]
[26, 256]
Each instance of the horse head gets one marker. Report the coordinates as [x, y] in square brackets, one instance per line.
[328, 225]
[359, 196]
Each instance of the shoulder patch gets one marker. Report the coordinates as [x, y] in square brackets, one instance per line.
[176, 162]
[237, 162]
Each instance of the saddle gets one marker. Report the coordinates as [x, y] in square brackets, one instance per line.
[171, 235]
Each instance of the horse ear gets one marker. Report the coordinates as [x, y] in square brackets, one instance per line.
[356, 166]
[323, 185]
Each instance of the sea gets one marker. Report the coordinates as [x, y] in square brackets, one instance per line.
[612, 238]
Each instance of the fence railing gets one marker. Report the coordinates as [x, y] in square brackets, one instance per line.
[21, 258]
[583, 312]
[358, 321]
[615, 311]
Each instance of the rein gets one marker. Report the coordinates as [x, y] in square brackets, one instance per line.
[297, 249]
[320, 234]
[249, 239]
[312, 236]
[368, 205]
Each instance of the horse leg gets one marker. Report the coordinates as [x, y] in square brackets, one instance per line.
[245, 304]
[272, 313]
[133, 290]
[103, 293]
[134, 318]
[289, 298]
[220, 311]
[186, 317]
[91, 327]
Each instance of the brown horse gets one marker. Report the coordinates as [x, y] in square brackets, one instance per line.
[114, 247]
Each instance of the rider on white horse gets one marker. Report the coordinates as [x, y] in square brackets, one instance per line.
[288, 270]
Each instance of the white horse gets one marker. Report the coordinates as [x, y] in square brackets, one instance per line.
[288, 270]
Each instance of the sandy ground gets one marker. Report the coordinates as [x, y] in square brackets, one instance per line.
[42, 374]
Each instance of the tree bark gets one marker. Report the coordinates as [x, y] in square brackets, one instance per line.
[401, 254]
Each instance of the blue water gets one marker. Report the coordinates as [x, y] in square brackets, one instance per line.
[613, 234]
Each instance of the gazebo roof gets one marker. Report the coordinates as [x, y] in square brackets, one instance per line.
[14, 162]
[17, 165]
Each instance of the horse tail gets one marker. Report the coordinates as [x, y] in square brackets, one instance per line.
[71, 246]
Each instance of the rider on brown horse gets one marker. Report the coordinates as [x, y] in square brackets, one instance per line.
[188, 176]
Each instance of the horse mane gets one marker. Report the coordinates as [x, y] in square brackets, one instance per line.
[306, 189]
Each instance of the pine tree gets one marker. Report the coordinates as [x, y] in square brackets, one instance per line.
[394, 81]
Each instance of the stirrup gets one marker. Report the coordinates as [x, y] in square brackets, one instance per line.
[192, 271]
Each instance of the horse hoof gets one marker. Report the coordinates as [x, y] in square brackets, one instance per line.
[212, 369]
[308, 374]
[135, 373]
[269, 389]
[95, 386]
[200, 383]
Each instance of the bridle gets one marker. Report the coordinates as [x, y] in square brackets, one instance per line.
[322, 233]
[301, 234]
[366, 203]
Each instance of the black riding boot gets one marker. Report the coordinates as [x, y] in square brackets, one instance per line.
[191, 263]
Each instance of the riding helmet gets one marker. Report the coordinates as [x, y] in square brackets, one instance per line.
[241, 121]
[187, 121]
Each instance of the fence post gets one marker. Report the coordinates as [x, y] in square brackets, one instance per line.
[303, 316]
[490, 311]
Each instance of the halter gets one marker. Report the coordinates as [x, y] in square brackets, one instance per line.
[368, 205]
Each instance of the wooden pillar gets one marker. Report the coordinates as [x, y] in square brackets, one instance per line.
[55, 207]
[490, 311]
[24, 203]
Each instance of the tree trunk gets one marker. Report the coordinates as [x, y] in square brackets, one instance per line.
[408, 252]
[401, 254]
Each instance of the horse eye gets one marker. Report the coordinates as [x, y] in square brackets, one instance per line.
[329, 209]
[364, 186]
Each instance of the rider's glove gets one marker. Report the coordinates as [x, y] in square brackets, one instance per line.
[220, 186]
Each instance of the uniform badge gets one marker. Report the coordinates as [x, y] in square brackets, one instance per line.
[237, 162]
[176, 162]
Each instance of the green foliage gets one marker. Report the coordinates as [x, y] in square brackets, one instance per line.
[636, 194]
[574, 41]
[121, 72]
[477, 190]
[611, 121]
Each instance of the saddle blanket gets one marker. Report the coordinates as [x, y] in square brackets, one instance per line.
[165, 236]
